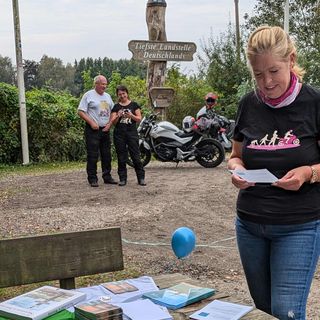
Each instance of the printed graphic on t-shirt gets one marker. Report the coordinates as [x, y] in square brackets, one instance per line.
[275, 142]
[104, 112]
[125, 120]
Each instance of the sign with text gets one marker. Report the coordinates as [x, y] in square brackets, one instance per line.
[161, 97]
[162, 50]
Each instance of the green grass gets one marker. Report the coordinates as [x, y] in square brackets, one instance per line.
[128, 273]
[39, 168]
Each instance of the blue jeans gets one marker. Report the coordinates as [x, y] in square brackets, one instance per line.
[279, 262]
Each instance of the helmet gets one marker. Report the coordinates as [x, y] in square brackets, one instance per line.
[187, 123]
[211, 98]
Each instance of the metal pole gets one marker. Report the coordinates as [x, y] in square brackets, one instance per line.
[22, 98]
[236, 6]
[286, 16]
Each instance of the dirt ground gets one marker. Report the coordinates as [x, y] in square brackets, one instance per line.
[187, 195]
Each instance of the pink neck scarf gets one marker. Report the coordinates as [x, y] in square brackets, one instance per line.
[286, 98]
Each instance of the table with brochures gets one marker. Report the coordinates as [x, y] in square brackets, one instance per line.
[163, 297]
[167, 280]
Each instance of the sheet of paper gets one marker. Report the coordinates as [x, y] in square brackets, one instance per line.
[256, 176]
[221, 310]
[144, 309]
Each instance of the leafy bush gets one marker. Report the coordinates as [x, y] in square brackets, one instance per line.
[9, 124]
[55, 131]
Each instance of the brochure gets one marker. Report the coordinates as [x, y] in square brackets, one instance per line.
[39, 303]
[221, 310]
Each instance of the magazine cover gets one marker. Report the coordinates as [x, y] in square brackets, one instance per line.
[39, 303]
[119, 287]
[179, 295]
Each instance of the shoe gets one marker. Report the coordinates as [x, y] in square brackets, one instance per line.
[141, 182]
[110, 181]
[122, 183]
[94, 184]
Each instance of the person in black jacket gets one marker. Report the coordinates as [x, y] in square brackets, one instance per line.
[125, 114]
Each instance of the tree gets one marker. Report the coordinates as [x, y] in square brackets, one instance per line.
[7, 73]
[188, 97]
[54, 75]
[304, 27]
[31, 69]
[223, 70]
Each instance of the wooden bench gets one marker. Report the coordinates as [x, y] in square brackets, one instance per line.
[61, 256]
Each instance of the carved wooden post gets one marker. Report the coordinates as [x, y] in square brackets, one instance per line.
[155, 16]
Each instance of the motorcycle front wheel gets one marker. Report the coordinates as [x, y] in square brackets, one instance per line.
[145, 156]
[210, 153]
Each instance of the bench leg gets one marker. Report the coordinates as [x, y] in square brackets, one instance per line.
[68, 283]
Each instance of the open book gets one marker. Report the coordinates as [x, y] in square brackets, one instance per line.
[39, 303]
[179, 295]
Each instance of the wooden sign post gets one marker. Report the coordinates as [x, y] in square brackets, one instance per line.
[155, 17]
[157, 51]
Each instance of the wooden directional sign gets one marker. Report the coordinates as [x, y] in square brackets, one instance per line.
[161, 97]
[162, 50]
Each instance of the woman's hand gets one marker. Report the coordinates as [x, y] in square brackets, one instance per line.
[240, 183]
[120, 113]
[294, 179]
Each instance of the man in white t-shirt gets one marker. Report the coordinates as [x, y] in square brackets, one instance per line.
[95, 109]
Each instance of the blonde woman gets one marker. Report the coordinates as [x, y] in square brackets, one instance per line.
[278, 226]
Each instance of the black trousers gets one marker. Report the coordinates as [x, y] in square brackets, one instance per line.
[98, 143]
[124, 141]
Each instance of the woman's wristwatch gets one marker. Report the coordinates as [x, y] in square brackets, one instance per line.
[314, 175]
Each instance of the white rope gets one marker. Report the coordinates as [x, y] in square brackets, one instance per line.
[156, 244]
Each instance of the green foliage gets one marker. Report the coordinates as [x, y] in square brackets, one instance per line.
[108, 67]
[7, 73]
[189, 95]
[304, 26]
[55, 129]
[135, 85]
[87, 80]
[9, 124]
[223, 70]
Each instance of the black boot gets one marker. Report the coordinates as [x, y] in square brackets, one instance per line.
[141, 182]
[122, 183]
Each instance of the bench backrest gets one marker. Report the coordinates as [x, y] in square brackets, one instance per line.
[61, 256]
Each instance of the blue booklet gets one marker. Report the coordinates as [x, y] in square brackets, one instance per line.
[180, 295]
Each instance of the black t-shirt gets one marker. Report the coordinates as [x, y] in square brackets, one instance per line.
[279, 140]
[126, 124]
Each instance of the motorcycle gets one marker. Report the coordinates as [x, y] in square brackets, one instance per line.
[168, 143]
[224, 129]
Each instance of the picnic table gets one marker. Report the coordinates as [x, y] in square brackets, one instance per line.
[168, 280]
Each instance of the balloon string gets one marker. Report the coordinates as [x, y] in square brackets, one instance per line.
[168, 244]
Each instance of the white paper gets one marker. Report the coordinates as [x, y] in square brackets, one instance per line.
[144, 309]
[221, 310]
[256, 176]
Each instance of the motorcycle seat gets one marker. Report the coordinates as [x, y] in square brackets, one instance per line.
[183, 134]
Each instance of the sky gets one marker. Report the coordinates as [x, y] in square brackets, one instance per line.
[75, 29]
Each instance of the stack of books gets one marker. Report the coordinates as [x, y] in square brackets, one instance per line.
[97, 310]
[179, 296]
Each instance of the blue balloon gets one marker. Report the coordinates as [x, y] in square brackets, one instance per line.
[183, 242]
